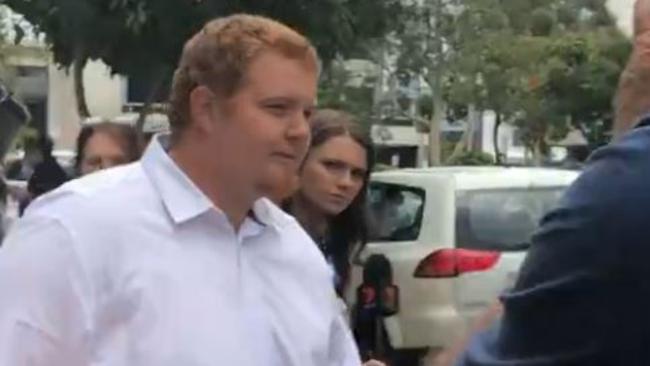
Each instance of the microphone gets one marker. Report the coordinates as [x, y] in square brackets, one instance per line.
[378, 279]
[377, 298]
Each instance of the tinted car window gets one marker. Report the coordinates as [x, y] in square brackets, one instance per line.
[395, 212]
[501, 219]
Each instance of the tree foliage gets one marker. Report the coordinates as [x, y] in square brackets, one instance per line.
[144, 38]
[340, 89]
[546, 66]
[130, 35]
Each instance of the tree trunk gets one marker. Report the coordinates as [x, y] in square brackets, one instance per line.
[465, 143]
[142, 118]
[434, 130]
[495, 138]
[378, 91]
[439, 113]
[435, 79]
[476, 117]
[537, 153]
[78, 66]
[161, 79]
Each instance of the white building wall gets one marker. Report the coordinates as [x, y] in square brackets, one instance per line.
[104, 95]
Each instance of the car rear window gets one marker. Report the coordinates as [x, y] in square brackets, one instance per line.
[503, 219]
[395, 212]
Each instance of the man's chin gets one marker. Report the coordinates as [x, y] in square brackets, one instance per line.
[282, 171]
[286, 165]
[277, 184]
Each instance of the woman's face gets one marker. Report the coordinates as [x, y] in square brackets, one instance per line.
[333, 174]
[102, 152]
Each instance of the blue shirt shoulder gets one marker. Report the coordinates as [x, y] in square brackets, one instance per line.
[583, 294]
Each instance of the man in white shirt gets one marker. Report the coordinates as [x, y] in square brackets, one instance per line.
[176, 260]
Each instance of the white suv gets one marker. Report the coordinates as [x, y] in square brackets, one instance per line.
[456, 238]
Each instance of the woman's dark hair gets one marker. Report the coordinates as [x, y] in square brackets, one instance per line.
[124, 135]
[348, 231]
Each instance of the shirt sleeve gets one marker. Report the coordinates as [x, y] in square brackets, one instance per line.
[42, 309]
[343, 350]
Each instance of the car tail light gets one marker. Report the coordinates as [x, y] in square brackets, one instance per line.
[454, 262]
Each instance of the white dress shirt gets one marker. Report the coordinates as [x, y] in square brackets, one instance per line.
[136, 267]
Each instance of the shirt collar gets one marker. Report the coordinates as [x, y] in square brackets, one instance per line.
[182, 199]
[645, 122]
[268, 214]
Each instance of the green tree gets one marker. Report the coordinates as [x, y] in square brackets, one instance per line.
[579, 71]
[144, 37]
[584, 79]
[339, 89]
[545, 66]
[484, 66]
[425, 50]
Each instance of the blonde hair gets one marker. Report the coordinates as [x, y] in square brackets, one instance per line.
[219, 55]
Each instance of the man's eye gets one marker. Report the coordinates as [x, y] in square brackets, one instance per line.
[277, 108]
[308, 113]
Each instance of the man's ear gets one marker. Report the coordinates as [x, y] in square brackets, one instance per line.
[201, 108]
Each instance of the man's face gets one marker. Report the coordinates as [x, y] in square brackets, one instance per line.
[262, 131]
[102, 151]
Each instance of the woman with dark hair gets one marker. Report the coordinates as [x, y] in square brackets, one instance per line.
[330, 201]
[328, 195]
[105, 145]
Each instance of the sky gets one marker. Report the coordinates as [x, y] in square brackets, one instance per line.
[623, 11]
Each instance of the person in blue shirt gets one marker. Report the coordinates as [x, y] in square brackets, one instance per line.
[583, 296]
